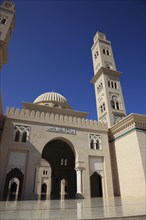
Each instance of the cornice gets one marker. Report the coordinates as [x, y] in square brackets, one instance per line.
[105, 71]
[127, 124]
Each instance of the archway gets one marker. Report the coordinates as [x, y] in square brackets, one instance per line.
[43, 191]
[11, 186]
[96, 185]
[61, 158]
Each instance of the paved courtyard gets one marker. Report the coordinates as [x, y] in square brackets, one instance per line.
[97, 208]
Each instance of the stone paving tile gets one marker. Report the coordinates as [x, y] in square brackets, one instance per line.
[73, 209]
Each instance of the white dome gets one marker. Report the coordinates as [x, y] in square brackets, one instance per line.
[50, 96]
[52, 99]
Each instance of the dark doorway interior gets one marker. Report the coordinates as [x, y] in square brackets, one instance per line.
[14, 173]
[62, 160]
[96, 185]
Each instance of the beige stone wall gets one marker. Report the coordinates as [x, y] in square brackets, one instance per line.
[128, 149]
[39, 137]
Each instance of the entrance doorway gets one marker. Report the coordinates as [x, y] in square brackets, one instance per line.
[61, 158]
[13, 185]
[96, 185]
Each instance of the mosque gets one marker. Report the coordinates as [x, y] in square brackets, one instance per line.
[50, 151]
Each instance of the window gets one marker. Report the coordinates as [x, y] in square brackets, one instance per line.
[115, 104]
[21, 133]
[95, 142]
[99, 87]
[64, 161]
[106, 51]
[3, 19]
[102, 108]
[115, 84]
[17, 136]
[91, 144]
[45, 172]
[112, 84]
[24, 136]
[96, 54]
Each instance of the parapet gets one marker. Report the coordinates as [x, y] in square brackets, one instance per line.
[54, 119]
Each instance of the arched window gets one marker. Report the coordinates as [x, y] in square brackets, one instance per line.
[113, 104]
[103, 51]
[91, 144]
[117, 105]
[65, 162]
[3, 21]
[115, 85]
[108, 83]
[97, 144]
[107, 52]
[17, 136]
[103, 106]
[24, 136]
[62, 160]
[112, 84]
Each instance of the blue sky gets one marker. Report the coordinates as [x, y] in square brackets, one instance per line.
[50, 50]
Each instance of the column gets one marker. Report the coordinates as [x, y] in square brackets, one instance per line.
[79, 170]
[79, 181]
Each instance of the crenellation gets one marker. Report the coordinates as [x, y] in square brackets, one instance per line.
[31, 115]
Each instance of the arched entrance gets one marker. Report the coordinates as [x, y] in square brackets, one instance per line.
[61, 158]
[96, 185]
[13, 185]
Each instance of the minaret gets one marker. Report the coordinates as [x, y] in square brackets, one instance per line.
[106, 80]
[7, 23]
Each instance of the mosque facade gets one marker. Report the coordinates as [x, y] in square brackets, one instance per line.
[51, 151]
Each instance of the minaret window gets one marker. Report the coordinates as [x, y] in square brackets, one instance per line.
[115, 85]
[103, 51]
[106, 51]
[112, 84]
[102, 108]
[3, 19]
[96, 54]
[115, 103]
[99, 87]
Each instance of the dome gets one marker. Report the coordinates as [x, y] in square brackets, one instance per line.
[52, 99]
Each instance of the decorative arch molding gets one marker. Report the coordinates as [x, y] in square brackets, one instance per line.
[66, 141]
[15, 175]
[99, 172]
[61, 158]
